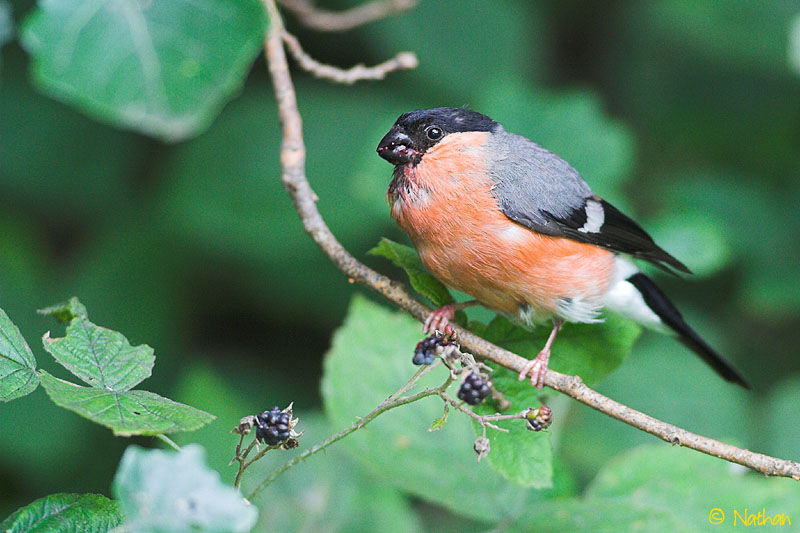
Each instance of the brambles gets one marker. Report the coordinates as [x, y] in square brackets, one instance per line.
[273, 426]
[474, 389]
[426, 350]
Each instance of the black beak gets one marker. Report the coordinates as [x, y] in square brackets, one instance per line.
[395, 147]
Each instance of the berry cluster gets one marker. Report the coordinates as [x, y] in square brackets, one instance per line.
[425, 351]
[539, 419]
[272, 426]
[474, 389]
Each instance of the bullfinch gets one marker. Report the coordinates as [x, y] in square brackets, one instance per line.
[508, 222]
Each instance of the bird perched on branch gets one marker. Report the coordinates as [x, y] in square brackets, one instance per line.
[498, 217]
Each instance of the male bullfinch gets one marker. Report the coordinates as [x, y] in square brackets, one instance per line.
[498, 217]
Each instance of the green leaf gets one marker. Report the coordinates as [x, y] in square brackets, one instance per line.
[126, 413]
[441, 421]
[66, 311]
[522, 456]
[17, 364]
[175, 491]
[65, 512]
[590, 351]
[101, 357]
[663, 488]
[406, 258]
[164, 68]
[372, 351]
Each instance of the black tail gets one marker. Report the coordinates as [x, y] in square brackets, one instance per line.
[660, 304]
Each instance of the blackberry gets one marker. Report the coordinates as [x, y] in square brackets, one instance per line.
[425, 351]
[474, 389]
[272, 426]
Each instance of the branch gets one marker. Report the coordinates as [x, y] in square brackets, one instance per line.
[402, 61]
[294, 180]
[322, 20]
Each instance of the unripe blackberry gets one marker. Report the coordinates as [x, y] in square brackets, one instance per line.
[534, 425]
[474, 389]
[539, 419]
[272, 426]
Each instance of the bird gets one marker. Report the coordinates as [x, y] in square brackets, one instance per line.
[504, 220]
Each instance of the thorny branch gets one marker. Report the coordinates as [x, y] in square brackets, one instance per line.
[294, 180]
[322, 20]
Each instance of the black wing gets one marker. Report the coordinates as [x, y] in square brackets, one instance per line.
[600, 223]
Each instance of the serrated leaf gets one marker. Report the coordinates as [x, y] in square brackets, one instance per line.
[406, 258]
[522, 456]
[65, 312]
[126, 413]
[590, 351]
[373, 348]
[175, 491]
[164, 68]
[441, 421]
[101, 357]
[17, 364]
[65, 512]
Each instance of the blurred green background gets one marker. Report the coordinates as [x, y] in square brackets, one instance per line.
[684, 114]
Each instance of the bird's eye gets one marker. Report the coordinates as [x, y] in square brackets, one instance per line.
[434, 133]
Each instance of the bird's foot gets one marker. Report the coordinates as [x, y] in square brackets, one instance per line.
[537, 368]
[439, 319]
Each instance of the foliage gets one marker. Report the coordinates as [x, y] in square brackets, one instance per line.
[163, 68]
[17, 365]
[175, 491]
[681, 114]
[65, 512]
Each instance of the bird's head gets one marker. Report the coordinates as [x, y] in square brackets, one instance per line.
[415, 132]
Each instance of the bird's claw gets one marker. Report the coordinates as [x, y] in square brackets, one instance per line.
[438, 319]
[537, 368]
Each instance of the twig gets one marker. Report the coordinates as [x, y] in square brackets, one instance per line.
[294, 180]
[241, 458]
[322, 20]
[386, 405]
[402, 61]
[484, 421]
[171, 443]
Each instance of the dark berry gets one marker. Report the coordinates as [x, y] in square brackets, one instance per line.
[474, 389]
[534, 425]
[272, 426]
[425, 351]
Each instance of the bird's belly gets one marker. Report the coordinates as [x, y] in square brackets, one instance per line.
[510, 268]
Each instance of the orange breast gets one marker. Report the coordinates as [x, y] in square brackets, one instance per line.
[446, 206]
